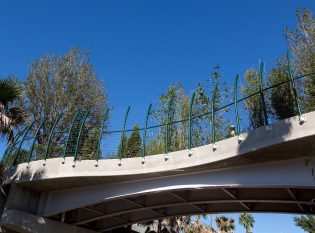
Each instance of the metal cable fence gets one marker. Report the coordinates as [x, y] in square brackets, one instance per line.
[170, 126]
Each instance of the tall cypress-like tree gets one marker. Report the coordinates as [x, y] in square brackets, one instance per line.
[282, 97]
[123, 144]
[89, 144]
[253, 105]
[134, 143]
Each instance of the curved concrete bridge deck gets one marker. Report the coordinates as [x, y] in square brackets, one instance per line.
[272, 170]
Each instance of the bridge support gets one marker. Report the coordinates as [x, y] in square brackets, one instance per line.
[19, 221]
[19, 214]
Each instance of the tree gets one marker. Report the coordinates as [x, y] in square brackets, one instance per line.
[178, 224]
[247, 221]
[90, 144]
[198, 227]
[134, 143]
[253, 104]
[201, 126]
[302, 44]
[212, 88]
[302, 41]
[179, 111]
[123, 144]
[10, 116]
[65, 84]
[225, 225]
[282, 97]
[177, 136]
[131, 145]
[307, 223]
[220, 92]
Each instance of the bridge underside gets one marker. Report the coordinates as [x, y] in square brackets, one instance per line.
[124, 211]
[280, 187]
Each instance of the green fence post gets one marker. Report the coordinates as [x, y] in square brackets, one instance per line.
[296, 99]
[78, 139]
[52, 132]
[145, 133]
[262, 97]
[34, 140]
[100, 138]
[20, 146]
[122, 136]
[70, 129]
[190, 152]
[12, 145]
[214, 145]
[167, 128]
[237, 119]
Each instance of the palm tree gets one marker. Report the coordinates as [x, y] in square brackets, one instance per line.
[307, 223]
[247, 221]
[225, 225]
[197, 226]
[171, 224]
[10, 117]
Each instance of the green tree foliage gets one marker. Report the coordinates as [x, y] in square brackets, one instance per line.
[253, 104]
[225, 225]
[213, 88]
[11, 116]
[307, 223]
[282, 97]
[64, 84]
[131, 145]
[177, 136]
[134, 143]
[201, 126]
[220, 93]
[247, 221]
[302, 44]
[302, 41]
[123, 145]
[89, 146]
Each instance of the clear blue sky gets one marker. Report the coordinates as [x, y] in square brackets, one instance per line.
[139, 47]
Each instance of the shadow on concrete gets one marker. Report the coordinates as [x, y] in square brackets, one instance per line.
[265, 135]
[12, 174]
[8, 176]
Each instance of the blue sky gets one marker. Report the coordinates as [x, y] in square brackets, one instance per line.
[139, 47]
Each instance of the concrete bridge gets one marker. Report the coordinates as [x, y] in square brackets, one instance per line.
[271, 170]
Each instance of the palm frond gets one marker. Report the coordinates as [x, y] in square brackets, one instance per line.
[9, 120]
[17, 115]
[9, 91]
